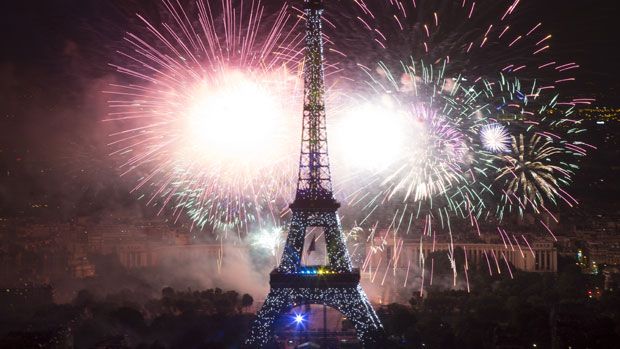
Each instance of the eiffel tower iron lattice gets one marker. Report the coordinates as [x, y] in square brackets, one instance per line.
[336, 284]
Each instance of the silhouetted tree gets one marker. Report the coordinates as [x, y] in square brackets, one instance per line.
[84, 298]
[246, 301]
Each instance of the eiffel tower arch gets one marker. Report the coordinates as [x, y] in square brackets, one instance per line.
[336, 284]
[349, 300]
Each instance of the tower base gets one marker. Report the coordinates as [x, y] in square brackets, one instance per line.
[351, 301]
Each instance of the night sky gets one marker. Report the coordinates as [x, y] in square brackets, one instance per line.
[53, 67]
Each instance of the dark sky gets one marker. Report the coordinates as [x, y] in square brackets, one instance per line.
[43, 39]
[587, 32]
[53, 66]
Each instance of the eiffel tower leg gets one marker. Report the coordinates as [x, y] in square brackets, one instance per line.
[334, 240]
[291, 256]
[353, 303]
[262, 332]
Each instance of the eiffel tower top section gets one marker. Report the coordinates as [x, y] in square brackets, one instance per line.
[314, 187]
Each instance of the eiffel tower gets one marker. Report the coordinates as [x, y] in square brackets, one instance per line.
[337, 284]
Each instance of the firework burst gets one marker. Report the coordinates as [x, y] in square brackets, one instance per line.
[268, 239]
[492, 75]
[495, 138]
[432, 160]
[532, 173]
[434, 168]
[203, 112]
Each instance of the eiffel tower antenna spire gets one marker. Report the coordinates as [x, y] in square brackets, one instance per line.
[336, 284]
[314, 182]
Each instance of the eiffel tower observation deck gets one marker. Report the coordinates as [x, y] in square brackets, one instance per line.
[336, 284]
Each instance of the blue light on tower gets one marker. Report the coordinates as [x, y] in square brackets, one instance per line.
[299, 319]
